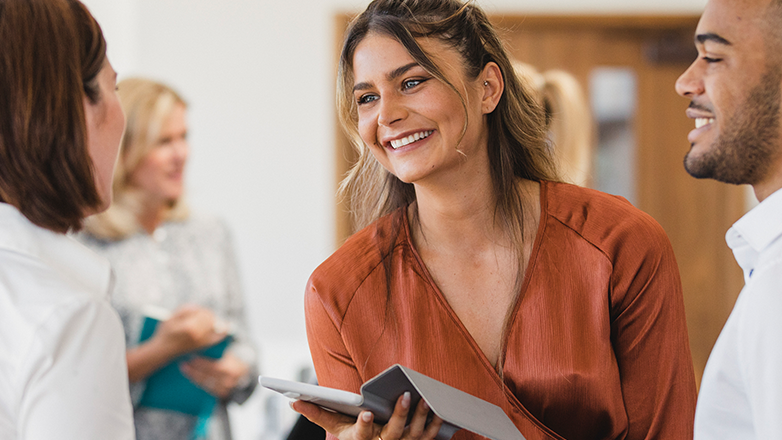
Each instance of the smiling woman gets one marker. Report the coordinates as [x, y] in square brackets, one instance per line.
[560, 304]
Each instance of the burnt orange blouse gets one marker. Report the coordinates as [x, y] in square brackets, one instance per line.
[596, 346]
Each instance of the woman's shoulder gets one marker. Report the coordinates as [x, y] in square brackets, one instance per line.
[360, 256]
[603, 219]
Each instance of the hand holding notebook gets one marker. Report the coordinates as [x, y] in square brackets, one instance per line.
[168, 388]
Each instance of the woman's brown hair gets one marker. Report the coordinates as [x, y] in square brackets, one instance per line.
[50, 57]
[517, 134]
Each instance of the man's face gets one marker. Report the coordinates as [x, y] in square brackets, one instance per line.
[735, 93]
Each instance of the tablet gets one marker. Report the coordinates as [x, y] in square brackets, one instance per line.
[457, 409]
[332, 399]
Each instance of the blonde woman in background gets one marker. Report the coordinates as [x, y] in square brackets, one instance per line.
[165, 257]
[568, 118]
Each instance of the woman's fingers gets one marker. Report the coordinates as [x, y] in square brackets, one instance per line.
[418, 423]
[433, 428]
[395, 427]
[363, 428]
[339, 425]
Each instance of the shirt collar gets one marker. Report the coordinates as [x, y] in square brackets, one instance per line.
[755, 231]
[72, 260]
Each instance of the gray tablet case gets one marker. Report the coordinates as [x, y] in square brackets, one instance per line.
[459, 410]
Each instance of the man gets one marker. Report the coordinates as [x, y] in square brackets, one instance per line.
[734, 87]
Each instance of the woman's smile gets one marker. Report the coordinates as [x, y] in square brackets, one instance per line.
[415, 124]
[406, 140]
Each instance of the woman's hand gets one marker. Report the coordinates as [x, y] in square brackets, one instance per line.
[188, 329]
[346, 428]
[218, 377]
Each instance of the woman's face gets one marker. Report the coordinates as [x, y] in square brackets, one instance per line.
[411, 121]
[160, 174]
[105, 123]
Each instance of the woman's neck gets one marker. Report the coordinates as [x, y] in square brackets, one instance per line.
[464, 215]
[456, 211]
[152, 216]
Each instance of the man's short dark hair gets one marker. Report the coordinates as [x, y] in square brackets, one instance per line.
[50, 57]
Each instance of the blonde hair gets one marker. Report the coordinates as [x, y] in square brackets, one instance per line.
[568, 117]
[147, 105]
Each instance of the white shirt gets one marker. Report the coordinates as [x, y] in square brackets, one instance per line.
[741, 390]
[63, 373]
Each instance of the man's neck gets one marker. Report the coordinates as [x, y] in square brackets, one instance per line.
[770, 184]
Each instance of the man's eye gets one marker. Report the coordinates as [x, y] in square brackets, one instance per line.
[365, 99]
[711, 60]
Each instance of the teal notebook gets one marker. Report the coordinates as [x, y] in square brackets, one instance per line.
[169, 389]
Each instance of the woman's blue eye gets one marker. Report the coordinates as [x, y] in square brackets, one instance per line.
[410, 83]
[365, 99]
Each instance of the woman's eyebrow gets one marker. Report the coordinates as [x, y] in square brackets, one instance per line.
[399, 71]
[390, 76]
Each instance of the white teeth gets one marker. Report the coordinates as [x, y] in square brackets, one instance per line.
[700, 122]
[399, 143]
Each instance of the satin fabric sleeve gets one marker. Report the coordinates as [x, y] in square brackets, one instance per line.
[333, 364]
[649, 333]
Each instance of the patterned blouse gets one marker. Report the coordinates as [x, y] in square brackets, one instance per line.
[189, 262]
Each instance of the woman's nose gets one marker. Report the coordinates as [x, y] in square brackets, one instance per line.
[181, 150]
[391, 111]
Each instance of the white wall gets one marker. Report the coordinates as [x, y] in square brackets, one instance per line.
[258, 75]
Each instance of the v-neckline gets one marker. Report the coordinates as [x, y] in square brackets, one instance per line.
[531, 264]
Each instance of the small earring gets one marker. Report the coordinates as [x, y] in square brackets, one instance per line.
[485, 83]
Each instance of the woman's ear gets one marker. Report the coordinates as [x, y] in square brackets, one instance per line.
[493, 86]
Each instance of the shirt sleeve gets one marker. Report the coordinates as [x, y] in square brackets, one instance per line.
[649, 336]
[328, 350]
[759, 355]
[333, 363]
[76, 385]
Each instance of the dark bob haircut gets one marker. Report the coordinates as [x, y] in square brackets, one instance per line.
[50, 57]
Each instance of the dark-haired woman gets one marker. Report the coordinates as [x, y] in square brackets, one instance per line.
[561, 305]
[62, 354]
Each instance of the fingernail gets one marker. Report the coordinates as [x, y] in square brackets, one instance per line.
[366, 416]
[406, 400]
[425, 405]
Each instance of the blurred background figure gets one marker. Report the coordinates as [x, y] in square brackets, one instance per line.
[166, 257]
[62, 360]
[568, 117]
